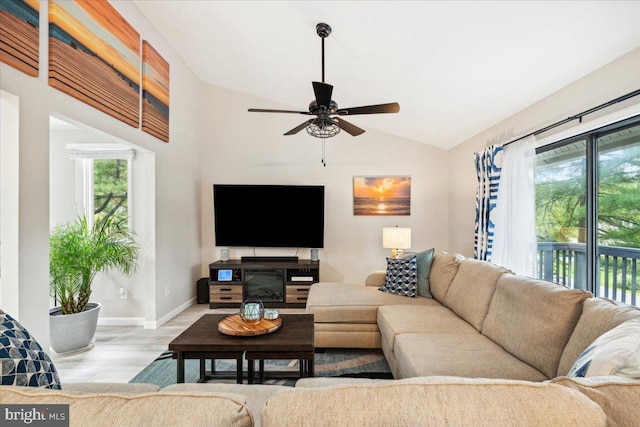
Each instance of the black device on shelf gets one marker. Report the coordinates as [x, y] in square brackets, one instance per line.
[269, 216]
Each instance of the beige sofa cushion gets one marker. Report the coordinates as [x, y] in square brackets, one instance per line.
[402, 319]
[433, 402]
[129, 388]
[346, 303]
[147, 409]
[256, 395]
[444, 267]
[533, 319]
[346, 335]
[618, 397]
[472, 289]
[598, 316]
[459, 355]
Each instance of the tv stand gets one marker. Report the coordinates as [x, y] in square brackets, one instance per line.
[269, 259]
[285, 280]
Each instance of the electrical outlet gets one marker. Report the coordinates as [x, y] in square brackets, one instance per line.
[123, 293]
[167, 291]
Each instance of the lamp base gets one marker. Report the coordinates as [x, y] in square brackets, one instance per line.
[396, 253]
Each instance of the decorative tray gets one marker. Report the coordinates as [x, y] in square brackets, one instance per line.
[234, 325]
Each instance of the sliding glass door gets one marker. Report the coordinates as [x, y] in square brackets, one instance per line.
[588, 211]
[618, 213]
[561, 197]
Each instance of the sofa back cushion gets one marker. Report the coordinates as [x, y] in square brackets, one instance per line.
[472, 289]
[598, 316]
[618, 397]
[444, 267]
[533, 319]
[147, 409]
[433, 401]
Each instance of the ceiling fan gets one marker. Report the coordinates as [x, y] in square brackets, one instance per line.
[326, 123]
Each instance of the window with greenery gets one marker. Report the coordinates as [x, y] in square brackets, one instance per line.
[110, 189]
[103, 181]
[588, 211]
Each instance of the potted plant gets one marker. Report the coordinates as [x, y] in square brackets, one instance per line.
[77, 252]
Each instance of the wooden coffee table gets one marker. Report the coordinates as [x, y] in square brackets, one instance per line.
[203, 341]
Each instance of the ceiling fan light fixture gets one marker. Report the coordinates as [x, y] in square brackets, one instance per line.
[323, 128]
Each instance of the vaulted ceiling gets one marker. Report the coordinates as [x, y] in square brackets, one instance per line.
[455, 67]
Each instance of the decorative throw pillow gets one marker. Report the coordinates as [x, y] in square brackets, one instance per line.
[22, 361]
[401, 277]
[616, 352]
[423, 262]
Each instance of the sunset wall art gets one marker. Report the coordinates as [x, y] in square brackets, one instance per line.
[94, 56]
[155, 93]
[19, 29]
[382, 195]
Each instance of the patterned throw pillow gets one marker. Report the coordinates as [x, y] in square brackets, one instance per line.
[616, 352]
[22, 361]
[401, 277]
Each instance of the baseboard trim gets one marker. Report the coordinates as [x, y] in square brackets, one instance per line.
[121, 321]
[173, 313]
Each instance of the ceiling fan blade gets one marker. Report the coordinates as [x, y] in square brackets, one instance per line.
[260, 110]
[323, 93]
[392, 107]
[298, 128]
[352, 130]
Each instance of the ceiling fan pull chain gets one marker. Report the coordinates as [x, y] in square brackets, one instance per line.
[323, 152]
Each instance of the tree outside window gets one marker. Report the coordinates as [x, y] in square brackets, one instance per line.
[110, 189]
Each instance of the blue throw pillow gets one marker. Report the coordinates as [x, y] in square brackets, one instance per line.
[22, 361]
[424, 260]
[423, 263]
[401, 277]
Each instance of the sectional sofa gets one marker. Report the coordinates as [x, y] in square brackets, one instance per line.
[490, 348]
[483, 321]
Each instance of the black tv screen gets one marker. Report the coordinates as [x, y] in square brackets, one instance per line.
[269, 216]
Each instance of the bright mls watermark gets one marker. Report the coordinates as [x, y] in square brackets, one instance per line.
[34, 415]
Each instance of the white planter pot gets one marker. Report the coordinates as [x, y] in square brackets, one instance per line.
[73, 332]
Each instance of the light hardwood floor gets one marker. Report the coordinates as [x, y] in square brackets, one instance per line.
[121, 352]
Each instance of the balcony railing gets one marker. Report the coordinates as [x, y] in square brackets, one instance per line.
[565, 263]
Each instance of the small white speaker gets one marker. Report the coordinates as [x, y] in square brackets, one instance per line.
[314, 255]
[224, 254]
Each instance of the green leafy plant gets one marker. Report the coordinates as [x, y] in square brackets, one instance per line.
[78, 252]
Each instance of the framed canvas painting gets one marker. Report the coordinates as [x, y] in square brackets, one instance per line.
[382, 195]
[155, 93]
[19, 30]
[94, 56]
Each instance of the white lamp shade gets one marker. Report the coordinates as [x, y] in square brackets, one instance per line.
[396, 238]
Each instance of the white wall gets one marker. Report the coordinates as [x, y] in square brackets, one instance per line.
[611, 81]
[176, 249]
[249, 148]
[9, 201]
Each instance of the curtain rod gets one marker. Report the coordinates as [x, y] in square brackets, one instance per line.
[577, 116]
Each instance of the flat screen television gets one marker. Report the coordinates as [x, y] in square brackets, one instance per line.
[269, 216]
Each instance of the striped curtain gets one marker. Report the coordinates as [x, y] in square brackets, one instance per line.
[488, 167]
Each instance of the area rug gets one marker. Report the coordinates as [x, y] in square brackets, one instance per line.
[360, 363]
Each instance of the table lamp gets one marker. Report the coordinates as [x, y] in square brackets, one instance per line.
[396, 239]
